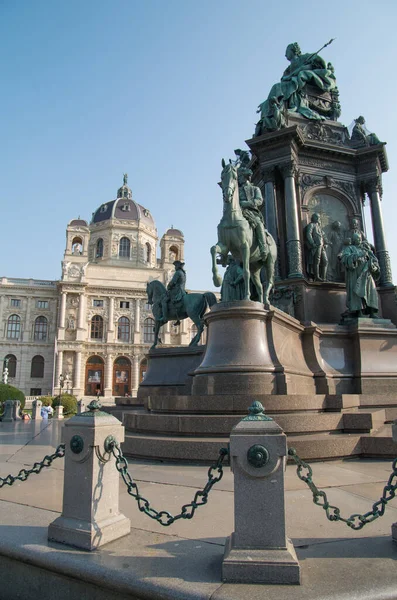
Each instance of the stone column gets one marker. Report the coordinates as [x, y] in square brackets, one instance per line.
[62, 310]
[81, 318]
[135, 376]
[77, 371]
[1, 315]
[137, 321]
[27, 331]
[108, 391]
[270, 212]
[90, 512]
[110, 335]
[394, 526]
[58, 370]
[294, 248]
[373, 191]
[258, 550]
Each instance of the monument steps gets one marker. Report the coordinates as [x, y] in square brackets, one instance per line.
[291, 423]
[206, 449]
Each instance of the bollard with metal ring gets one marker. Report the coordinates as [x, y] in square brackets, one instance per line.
[258, 550]
[90, 514]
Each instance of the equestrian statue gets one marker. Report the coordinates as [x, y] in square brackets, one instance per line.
[242, 232]
[174, 303]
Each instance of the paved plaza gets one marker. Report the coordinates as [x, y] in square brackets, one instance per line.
[184, 560]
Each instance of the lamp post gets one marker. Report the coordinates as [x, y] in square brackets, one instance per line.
[5, 371]
[61, 383]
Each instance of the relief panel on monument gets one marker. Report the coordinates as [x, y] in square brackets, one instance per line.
[334, 218]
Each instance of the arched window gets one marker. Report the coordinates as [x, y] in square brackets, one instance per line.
[148, 330]
[40, 328]
[37, 369]
[99, 248]
[13, 327]
[148, 253]
[123, 329]
[12, 365]
[124, 248]
[96, 327]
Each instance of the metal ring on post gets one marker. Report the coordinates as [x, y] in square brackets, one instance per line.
[258, 456]
[109, 443]
[76, 444]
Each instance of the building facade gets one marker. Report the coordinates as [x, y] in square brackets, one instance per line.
[93, 328]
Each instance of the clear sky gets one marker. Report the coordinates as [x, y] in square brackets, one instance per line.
[162, 90]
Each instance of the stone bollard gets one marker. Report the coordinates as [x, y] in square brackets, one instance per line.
[36, 410]
[8, 411]
[258, 550]
[90, 514]
[394, 526]
[81, 406]
[58, 413]
[16, 410]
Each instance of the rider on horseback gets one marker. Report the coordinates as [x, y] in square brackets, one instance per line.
[251, 200]
[175, 291]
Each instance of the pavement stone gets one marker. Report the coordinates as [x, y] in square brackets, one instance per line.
[184, 560]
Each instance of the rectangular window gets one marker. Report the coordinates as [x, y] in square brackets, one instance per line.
[124, 304]
[15, 302]
[42, 303]
[35, 391]
[97, 303]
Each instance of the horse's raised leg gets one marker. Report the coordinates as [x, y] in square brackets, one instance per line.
[245, 255]
[256, 280]
[217, 249]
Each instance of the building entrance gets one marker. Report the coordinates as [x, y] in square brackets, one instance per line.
[94, 376]
[121, 376]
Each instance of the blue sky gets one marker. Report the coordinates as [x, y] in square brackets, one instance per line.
[162, 90]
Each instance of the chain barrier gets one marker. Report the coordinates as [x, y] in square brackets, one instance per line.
[37, 467]
[355, 521]
[215, 474]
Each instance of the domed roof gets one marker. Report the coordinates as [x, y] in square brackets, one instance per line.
[78, 223]
[174, 232]
[123, 208]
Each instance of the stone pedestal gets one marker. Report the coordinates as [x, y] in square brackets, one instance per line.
[376, 355]
[81, 406]
[394, 526]
[8, 411]
[16, 408]
[258, 551]
[58, 414]
[36, 410]
[237, 358]
[90, 514]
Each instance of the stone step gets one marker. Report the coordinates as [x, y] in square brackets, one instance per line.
[206, 450]
[239, 403]
[211, 425]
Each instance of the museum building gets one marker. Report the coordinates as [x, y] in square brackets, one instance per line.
[93, 327]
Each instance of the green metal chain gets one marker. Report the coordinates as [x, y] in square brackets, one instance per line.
[355, 521]
[37, 467]
[163, 517]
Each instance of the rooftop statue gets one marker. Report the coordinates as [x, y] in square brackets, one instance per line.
[307, 76]
[361, 137]
[241, 230]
